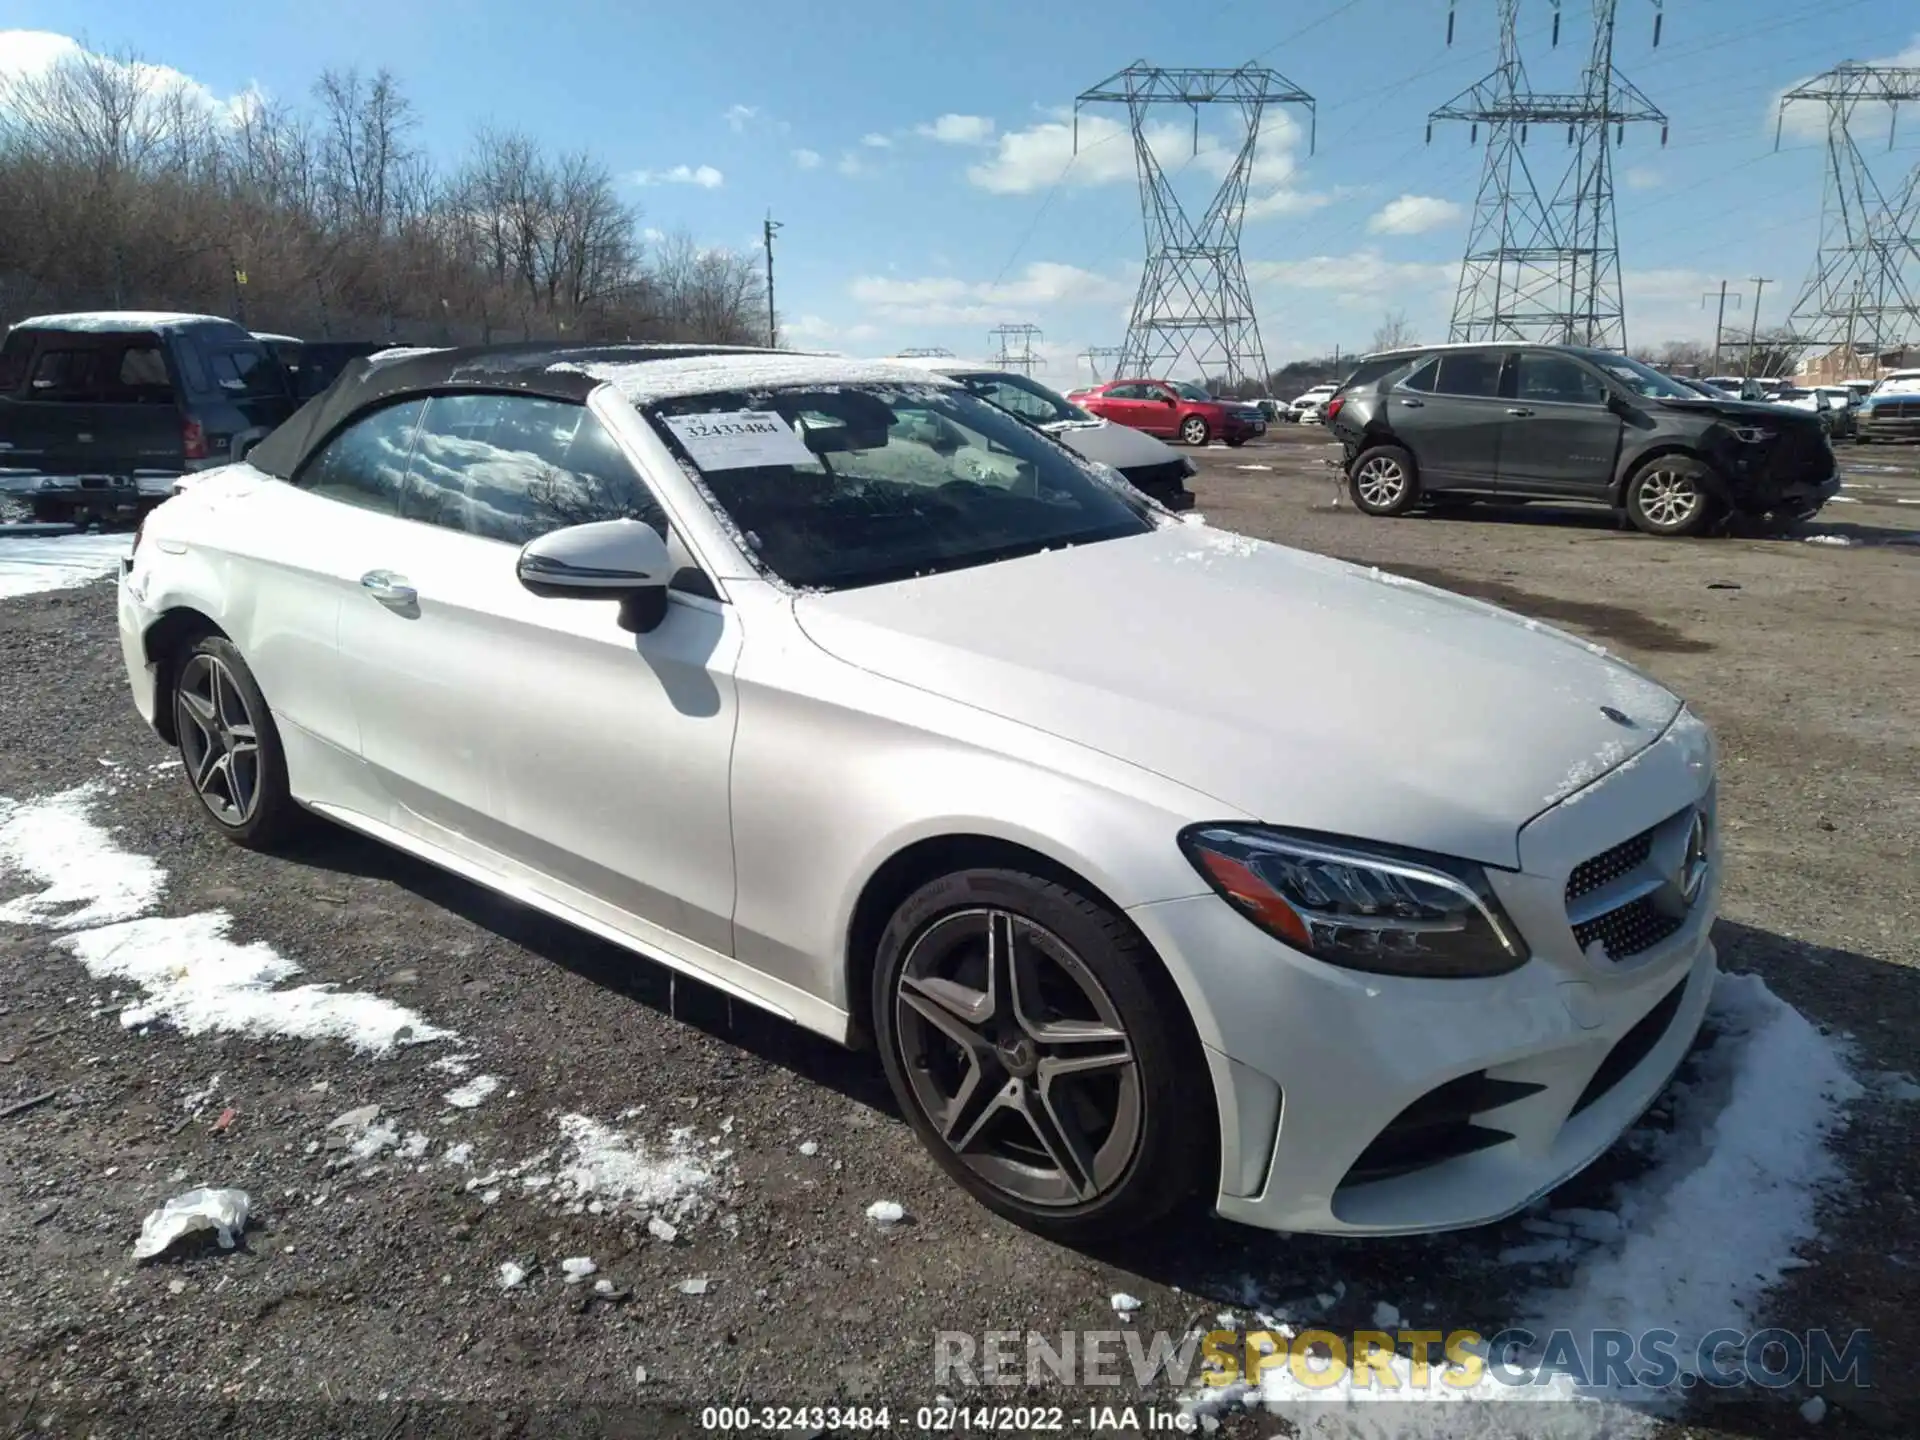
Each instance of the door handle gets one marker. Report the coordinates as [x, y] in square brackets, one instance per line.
[1411, 403]
[389, 589]
[1516, 410]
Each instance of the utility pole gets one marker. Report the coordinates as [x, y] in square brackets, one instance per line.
[1719, 320]
[1753, 331]
[773, 325]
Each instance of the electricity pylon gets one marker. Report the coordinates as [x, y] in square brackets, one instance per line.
[1094, 354]
[1194, 300]
[1543, 263]
[1023, 337]
[1859, 302]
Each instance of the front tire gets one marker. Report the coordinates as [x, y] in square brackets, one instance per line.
[1382, 481]
[230, 746]
[1195, 431]
[1030, 1038]
[1669, 495]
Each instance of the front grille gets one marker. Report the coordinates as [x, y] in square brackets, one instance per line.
[1636, 926]
[1632, 1048]
[1439, 1126]
[1896, 409]
[1590, 875]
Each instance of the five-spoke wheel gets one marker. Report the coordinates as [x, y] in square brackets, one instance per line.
[229, 745]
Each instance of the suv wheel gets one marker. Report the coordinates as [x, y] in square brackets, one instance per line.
[1382, 481]
[1028, 1035]
[1668, 496]
[1194, 430]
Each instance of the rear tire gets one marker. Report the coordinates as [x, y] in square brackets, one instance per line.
[230, 745]
[1195, 431]
[1669, 495]
[1383, 481]
[52, 512]
[1031, 1040]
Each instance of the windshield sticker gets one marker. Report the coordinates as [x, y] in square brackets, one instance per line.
[739, 439]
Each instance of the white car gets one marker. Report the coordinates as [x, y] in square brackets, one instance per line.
[840, 688]
[1308, 408]
[1150, 465]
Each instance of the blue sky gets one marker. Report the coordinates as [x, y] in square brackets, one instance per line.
[918, 155]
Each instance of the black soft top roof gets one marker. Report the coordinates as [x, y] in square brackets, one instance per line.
[525, 367]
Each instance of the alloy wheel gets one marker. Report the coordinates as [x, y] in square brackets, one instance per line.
[1194, 431]
[1669, 498]
[1018, 1058]
[1381, 481]
[219, 739]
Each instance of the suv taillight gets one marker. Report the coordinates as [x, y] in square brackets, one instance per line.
[1333, 407]
[193, 439]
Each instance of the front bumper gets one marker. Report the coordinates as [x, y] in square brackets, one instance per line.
[1315, 1069]
[134, 620]
[1884, 425]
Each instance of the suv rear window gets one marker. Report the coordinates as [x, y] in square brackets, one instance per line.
[1469, 372]
[103, 369]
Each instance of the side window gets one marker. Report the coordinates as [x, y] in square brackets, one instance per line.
[143, 376]
[510, 467]
[1469, 372]
[1554, 379]
[187, 357]
[1123, 392]
[366, 463]
[1013, 398]
[246, 373]
[1423, 377]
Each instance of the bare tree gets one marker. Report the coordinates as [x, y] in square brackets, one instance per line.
[1393, 332]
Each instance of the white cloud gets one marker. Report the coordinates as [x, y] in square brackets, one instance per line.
[739, 116]
[851, 164]
[1044, 155]
[1413, 215]
[705, 176]
[1643, 177]
[28, 53]
[817, 330]
[807, 159]
[874, 140]
[958, 130]
[947, 300]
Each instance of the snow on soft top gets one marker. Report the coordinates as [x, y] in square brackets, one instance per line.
[189, 972]
[1691, 1245]
[32, 564]
[643, 382]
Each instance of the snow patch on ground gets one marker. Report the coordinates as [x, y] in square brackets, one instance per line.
[1828, 540]
[1691, 1245]
[31, 565]
[201, 981]
[676, 1181]
[89, 879]
[473, 1093]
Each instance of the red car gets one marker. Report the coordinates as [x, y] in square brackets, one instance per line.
[1177, 411]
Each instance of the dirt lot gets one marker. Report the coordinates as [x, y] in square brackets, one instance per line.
[366, 1298]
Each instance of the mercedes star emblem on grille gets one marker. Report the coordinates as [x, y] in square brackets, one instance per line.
[1693, 868]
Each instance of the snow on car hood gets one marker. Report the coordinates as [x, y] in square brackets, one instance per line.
[1120, 446]
[1291, 687]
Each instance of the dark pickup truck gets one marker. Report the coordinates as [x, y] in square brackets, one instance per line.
[101, 413]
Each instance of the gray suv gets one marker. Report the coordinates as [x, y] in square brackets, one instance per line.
[1451, 424]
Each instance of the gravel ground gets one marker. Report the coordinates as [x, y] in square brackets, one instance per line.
[366, 1296]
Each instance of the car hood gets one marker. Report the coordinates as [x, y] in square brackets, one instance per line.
[1120, 446]
[1733, 409]
[1287, 686]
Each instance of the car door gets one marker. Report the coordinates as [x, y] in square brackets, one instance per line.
[1563, 438]
[1109, 404]
[531, 735]
[1449, 413]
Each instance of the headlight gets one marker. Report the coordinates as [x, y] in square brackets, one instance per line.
[1752, 434]
[1365, 907]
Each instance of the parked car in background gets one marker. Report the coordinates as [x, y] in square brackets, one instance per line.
[1891, 410]
[100, 413]
[715, 657]
[1556, 422]
[311, 365]
[1310, 408]
[1148, 464]
[1184, 411]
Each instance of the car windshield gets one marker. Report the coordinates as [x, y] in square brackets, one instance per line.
[1644, 379]
[850, 486]
[1027, 398]
[1190, 391]
[1898, 385]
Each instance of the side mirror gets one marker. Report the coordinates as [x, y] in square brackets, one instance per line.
[622, 560]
